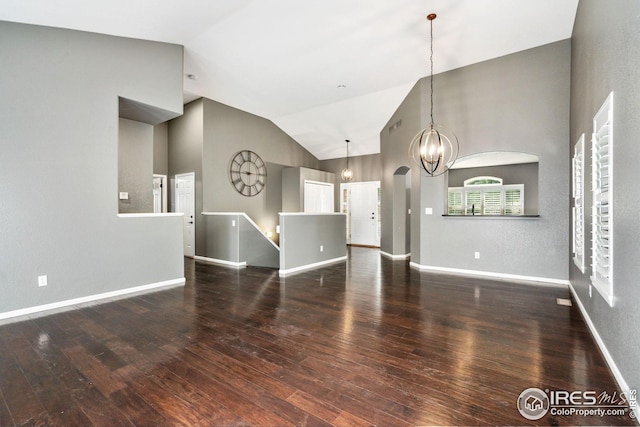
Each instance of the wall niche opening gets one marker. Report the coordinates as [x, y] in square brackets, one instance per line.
[512, 191]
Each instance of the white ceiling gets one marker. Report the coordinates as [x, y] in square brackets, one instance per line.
[284, 59]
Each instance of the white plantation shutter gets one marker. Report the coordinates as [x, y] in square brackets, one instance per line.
[514, 201]
[492, 203]
[578, 204]
[601, 210]
[473, 202]
[455, 202]
[486, 199]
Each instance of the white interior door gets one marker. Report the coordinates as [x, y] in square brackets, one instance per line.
[318, 196]
[364, 213]
[186, 203]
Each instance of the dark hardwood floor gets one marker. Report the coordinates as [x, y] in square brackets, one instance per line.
[367, 342]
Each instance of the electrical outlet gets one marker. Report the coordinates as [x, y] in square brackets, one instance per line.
[233, 222]
[42, 281]
[589, 291]
[428, 211]
[321, 248]
[477, 255]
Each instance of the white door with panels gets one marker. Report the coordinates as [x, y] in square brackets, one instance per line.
[361, 202]
[185, 202]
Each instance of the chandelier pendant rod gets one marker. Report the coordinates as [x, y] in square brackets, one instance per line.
[435, 148]
[431, 17]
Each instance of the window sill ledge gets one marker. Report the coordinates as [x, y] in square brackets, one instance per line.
[528, 216]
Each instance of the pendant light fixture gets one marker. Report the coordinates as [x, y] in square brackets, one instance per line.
[347, 174]
[434, 148]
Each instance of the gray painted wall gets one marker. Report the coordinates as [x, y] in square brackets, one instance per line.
[517, 102]
[222, 242]
[394, 143]
[135, 166]
[255, 247]
[365, 168]
[161, 149]
[401, 215]
[232, 237]
[303, 234]
[185, 156]
[59, 139]
[204, 140]
[228, 130]
[291, 194]
[605, 58]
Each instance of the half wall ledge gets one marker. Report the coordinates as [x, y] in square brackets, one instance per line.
[311, 240]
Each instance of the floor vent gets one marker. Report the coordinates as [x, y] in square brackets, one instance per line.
[564, 301]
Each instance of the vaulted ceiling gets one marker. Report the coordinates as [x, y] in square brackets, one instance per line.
[322, 70]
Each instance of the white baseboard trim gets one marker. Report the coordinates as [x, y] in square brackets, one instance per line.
[90, 299]
[544, 281]
[311, 266]
[221, 261]
[603, 348]
[401, 256]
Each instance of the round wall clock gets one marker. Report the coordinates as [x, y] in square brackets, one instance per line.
[248, 173]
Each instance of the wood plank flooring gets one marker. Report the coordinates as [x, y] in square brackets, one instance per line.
[361, 343]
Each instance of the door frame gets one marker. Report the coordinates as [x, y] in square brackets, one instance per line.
[192, 176]
[163, 183]
[345, 207]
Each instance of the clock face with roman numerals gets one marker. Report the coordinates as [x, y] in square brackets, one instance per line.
[248, 173]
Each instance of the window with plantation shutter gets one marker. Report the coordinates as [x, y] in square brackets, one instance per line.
[454, 206]
[578, 204]
[602, 208]
[473, 202]
[484, 195]
[513, 202]
[492, 202]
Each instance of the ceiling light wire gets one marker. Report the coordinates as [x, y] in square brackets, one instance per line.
[435, 148]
